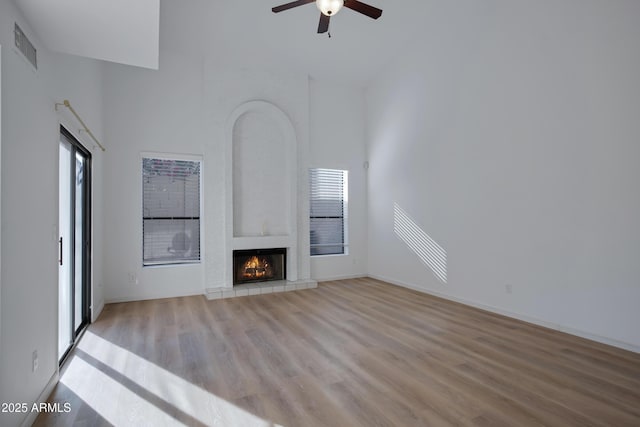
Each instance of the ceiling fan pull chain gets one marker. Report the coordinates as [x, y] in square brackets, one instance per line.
[329, 34]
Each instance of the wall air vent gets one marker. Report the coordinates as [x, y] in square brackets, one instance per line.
[24, 45]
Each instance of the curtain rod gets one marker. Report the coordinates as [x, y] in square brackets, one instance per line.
[67, 104]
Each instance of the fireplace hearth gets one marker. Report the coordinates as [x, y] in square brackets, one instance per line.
[259, 265]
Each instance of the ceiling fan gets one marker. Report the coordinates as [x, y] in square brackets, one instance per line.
[328, 8]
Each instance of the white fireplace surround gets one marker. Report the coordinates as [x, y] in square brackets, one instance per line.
[252, 125]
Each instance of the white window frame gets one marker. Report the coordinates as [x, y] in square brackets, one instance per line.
[172, 156]
[345, 214]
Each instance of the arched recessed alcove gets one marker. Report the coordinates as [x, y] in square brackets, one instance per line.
[262, 182]
[260, 176]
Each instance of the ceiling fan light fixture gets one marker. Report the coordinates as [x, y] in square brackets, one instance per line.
[329, 7]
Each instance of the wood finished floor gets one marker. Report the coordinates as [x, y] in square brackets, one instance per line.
[350, 353]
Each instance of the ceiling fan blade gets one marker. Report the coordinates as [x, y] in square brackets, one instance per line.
[365, 9]
[291, 5]
[323, 25]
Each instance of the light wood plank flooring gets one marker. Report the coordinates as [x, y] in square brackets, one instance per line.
[349, 353]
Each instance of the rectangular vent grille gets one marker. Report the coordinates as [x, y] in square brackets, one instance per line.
[24, 45]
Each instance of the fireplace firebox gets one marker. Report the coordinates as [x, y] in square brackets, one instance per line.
[259, 265]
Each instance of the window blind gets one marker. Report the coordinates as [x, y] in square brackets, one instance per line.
[328, 188]
[171, 211]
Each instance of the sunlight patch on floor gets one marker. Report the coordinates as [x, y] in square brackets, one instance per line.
[110, 399]
[119, 405]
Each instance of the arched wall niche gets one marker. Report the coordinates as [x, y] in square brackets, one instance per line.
[262, 182]
[260, 177]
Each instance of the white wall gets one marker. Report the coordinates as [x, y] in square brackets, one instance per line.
[90, 30]
[260, 170]
[147, 111]
[183, 108]
[30, 136]
[227, 88]
[1, 351]
[80, 81]
[336, 114]
[509, 135]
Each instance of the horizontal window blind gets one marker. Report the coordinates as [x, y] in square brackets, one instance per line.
[171, 211]
[327, 189]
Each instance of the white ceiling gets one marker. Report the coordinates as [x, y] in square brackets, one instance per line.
[124, 31]
[246, 32]
[234, 32]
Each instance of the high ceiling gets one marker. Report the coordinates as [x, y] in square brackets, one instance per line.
[112, 30]
[242, 33]
[247, 32]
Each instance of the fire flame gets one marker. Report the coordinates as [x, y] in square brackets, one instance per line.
[255, 268]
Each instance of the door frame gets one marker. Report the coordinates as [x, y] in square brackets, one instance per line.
[77, 147]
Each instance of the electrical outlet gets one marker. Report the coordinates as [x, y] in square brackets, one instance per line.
[508, 288]
[34, 361]
[133, 279]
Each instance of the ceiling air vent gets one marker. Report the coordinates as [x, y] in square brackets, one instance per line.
[24, 45]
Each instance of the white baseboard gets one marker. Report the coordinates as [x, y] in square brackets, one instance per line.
[343, 277]
[95, 313]
[158, 295]
[32, 415]
[550, 325]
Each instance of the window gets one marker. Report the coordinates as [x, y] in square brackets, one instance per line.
[171, 211]
[328, 211]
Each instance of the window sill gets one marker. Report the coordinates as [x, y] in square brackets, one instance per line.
[172, 264]
[330, 255]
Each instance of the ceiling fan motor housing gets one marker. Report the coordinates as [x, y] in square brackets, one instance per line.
[329, 7]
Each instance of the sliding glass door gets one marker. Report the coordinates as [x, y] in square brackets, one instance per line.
[75, 241]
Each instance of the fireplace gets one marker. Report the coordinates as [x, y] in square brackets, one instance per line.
[259, 265]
